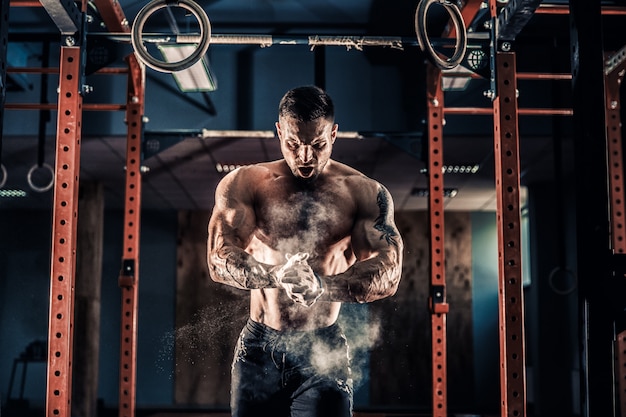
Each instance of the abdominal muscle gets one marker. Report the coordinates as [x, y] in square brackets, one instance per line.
[272, 306]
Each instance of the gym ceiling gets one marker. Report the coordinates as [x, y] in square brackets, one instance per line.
[191, 139]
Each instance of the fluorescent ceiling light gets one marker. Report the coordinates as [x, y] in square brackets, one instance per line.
[196, 78]
[423, 192]
[12, 193]
[456, 169]
[226, 168]
[460, 169]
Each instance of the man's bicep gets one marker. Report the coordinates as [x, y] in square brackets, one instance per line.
[375, 229]
[222, 232]
[233, 219]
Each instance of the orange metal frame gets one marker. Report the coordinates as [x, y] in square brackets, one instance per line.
[129, 275]
[511, 307]
[64, 222]
[506, 145]
[437, 300]
[613, 80]
[511, 304]
[65, 216]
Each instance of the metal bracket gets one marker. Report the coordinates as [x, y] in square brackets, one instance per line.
[477, 55]
[614, 61]
[514, 16]
[72, 23]
[127, 274]
[437, 294]
[437, 299]
[65, 15]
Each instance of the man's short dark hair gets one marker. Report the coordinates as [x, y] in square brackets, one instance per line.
[307, 103]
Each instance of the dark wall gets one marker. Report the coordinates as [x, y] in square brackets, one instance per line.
[400, 367]
[485, 310]
[369, 96]
[552, 323]
[24, 283]
[389, 339]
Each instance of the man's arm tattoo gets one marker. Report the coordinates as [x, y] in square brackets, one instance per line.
[375, 277]
[383, 223]
[237, 268]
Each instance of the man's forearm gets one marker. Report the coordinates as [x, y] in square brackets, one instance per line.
[363, 282]
[235, 267]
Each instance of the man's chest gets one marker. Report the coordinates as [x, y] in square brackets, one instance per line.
[319, 217]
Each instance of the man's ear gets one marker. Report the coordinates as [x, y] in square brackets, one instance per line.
[277, 124]
[333, 133]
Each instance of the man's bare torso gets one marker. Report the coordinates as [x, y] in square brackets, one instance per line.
[292, 217]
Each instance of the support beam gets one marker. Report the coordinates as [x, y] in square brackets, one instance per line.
[113, 15]
[437, 299]
[129, 275]
[592, 208]
[89, 238]
[508, 212]
[614, 75]
[64, 223]
[514, 16]
[65, 14]
[511, 295]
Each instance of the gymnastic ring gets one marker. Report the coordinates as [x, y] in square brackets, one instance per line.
[3, 170]
[422, 36]
[163, 66]
[552, 275]
[37, 188]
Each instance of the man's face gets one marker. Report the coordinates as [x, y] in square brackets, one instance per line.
[306, 146]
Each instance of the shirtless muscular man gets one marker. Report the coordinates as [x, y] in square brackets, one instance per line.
[303, 234]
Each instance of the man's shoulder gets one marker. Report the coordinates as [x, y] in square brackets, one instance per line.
[258, 171]
[247, 178]
[353, 175]
[276, 166]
